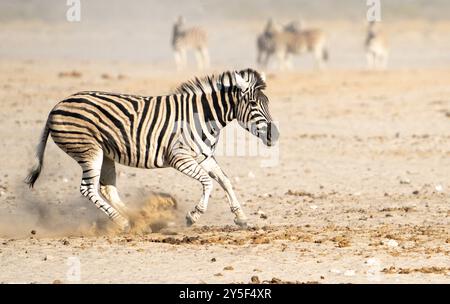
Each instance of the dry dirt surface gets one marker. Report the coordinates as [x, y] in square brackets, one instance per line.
[359, 194]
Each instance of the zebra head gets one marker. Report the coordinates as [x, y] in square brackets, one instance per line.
[252, 109]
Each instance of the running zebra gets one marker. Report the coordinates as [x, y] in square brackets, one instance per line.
[180, 130]
[185, 39]
[377, 51]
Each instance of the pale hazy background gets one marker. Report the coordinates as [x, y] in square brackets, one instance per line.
[139, 31]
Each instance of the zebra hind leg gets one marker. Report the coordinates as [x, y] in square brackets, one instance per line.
[200, 60]
[89, 188]
[108, 186]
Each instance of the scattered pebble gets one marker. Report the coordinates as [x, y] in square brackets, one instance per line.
[213, 260]
[72, 74]
[391, 243]
[439, 188]
[349, 273]
[373, 262]
[262, 214]
[405, 181]
[255, 280]
[228, 268]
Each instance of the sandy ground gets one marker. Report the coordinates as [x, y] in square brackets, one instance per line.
[358, 190]
[360, 193]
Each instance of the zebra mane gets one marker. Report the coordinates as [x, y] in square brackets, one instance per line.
[208, 84]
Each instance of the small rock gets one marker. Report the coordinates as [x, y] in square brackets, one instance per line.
[33, 232]
[349, 273]
[213, 260]
[57, 282]
[373, 262]
[391, 243]
[439, 188]
[48, 258]
[405, 181]
[255, 280]
[313, 207]
[218, 274]
[228, 268]
[262, 214]
[415, 192]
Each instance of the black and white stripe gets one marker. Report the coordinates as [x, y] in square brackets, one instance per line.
[180, 130]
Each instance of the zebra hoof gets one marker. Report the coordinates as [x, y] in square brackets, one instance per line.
[190, 220]
[241, 222]
[123, 225]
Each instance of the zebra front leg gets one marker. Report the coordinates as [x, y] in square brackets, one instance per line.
[370, 60]
[189, 166]
[89, 188]
[318, 55]
[183, 60]
[214, 170]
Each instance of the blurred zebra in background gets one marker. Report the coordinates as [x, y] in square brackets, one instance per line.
[185, 39]
[377, 51]
[181, 130]
[265, 46]
[292, 39]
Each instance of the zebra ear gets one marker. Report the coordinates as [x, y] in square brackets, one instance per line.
[240, 82]
[263, 76]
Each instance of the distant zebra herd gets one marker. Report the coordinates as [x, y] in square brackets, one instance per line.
[280, 42]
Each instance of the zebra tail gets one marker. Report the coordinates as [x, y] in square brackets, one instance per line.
[36, 170]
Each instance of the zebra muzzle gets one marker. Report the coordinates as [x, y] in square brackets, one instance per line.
[269, 135]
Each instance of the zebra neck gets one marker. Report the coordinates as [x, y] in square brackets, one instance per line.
[222, 109]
